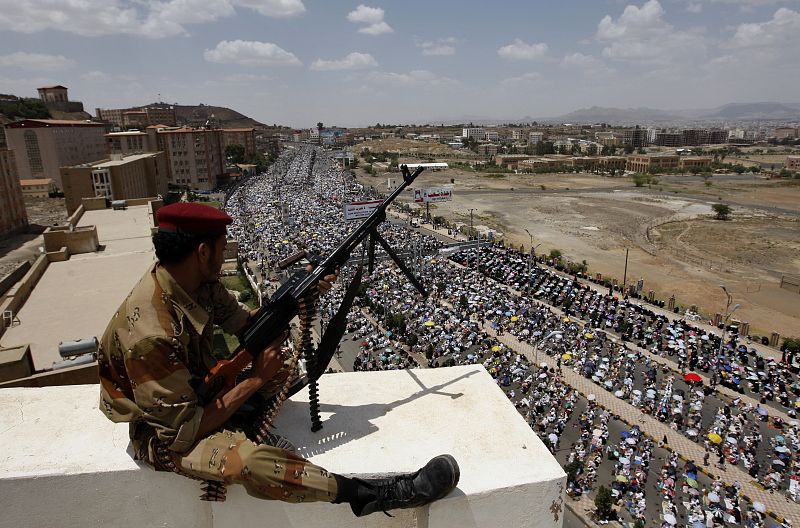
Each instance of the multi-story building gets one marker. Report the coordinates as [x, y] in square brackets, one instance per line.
[609, 163]
[131, 142]
[652, 163]
[56, 97]
[492, 136]
[476, 133]
[517, 134]
[635, 137]
[534, 138]
[487, 149]
[669, 139]
[139, 116]
[245, 137]
[793, 162]
[607, 139]
[695, 136]
[717, 136]
[687, 163]
[42, 146]
[13, 216]
[195, 157]
[786, 132]
[120, 178]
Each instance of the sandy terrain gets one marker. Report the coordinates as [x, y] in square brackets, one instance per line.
[675, 245]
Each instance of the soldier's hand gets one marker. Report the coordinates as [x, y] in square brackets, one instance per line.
[269, 360]
[326, 283]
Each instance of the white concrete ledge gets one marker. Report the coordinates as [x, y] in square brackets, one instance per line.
[63, 464]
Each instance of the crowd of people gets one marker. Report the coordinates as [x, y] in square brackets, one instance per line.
[298, 205]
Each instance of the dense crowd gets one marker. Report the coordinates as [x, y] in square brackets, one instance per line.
[298, 205]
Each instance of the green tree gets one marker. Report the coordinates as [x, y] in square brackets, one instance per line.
[320, 126]
[603, 503]
[791, 344]
[723, 211]
[234, 153]
[639, 179]
[628, 149]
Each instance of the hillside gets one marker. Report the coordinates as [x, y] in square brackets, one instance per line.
[218, 115]
[13, 108]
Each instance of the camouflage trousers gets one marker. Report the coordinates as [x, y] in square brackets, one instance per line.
[266, 472]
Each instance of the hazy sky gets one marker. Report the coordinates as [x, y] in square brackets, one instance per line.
[297, 62]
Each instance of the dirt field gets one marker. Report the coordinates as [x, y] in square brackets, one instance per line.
[675, 244]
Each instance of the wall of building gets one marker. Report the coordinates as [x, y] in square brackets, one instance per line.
[15, 362]
[13, 216]
[15, 297]
[78, 240]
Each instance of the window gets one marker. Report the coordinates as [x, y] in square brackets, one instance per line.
[32, 150]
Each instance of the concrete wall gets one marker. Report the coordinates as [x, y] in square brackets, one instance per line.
[94, 203]
[78, 240]
[66, 465]
[11, 279]
[78, 375]
[15, 362]
[18, 294]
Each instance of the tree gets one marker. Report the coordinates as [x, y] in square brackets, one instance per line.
[723, 211]
[629, 149]
[234, 153]
[639, 179]
[603, 503]
[319, 132]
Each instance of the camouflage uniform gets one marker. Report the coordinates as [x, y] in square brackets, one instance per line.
[157, 343]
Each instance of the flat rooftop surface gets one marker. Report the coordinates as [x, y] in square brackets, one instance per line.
[373, 422]
[76, 298]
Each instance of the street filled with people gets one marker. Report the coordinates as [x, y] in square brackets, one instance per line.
[666, 367]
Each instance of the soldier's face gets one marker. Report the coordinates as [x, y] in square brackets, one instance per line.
[212, 259]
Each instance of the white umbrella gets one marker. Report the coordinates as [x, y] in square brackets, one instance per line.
[636, 392]
[625, 460]
[597, 432]
[670, 519]
[619, 394]
[591, 397]
[759, 507]
[630, 440]
[553, 438]
[713, 497]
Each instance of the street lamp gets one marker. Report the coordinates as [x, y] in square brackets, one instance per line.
[532, 254]
[471, 228]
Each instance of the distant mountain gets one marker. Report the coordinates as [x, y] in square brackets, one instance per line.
[755, 111]
[215, 115]
[599, 114]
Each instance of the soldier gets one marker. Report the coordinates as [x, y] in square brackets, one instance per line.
[160, 341]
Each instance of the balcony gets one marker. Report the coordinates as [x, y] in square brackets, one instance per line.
[65, 465]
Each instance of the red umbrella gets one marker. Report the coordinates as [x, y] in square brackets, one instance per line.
[692, 377]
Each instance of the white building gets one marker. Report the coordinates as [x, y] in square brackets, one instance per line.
[492, 136]
[474, 133]
[534, 138]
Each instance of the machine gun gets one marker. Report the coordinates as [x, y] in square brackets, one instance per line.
[296, 297]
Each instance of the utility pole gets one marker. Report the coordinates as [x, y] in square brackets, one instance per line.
[728, 314]
[625, 273]
[471, 228]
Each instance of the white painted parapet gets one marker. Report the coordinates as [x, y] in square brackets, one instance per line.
[63, 464]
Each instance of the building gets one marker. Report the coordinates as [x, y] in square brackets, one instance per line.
[687, 163]
[511, 161]
[131, 142]
[695, 136]
[120, 178]
[517, 134]
[635, 137]
[492, 136]
[144, 116]
[609, 163]
[13, 216]
[245, 137]
[786, 132]
[37, 188]
[476, 133]
[652, 163]
[195, 156]
[669, 139]
[793, 162]
[717, 136]
[487, 149]
[607, 139]
[43, 146]
[56, 98]
[534, 138]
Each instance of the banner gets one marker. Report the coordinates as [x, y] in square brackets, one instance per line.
[358, 210]
[433, 194]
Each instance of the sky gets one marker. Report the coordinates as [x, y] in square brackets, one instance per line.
[298, 62]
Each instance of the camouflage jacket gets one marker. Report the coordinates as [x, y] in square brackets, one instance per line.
[158, 341]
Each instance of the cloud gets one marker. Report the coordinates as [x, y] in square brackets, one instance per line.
[520, 50]
[526, 79]
[147, 18]
[372, 17]
[274, 8]
[440, 47]
[782, 31]
[36, 61]
[96, 76]
[422, 78]
[641, 35]
[353, 61]
[238, 79]
[251, 53]
[695, 8]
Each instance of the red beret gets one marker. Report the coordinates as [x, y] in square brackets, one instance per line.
[195, 218]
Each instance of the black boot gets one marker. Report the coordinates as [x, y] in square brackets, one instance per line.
[411, 490]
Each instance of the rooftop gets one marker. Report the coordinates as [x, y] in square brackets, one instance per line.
[98, 282]
[62, 447]
[125, 160]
